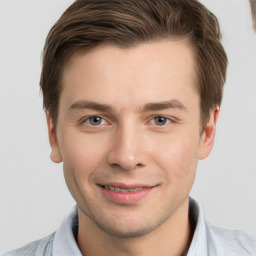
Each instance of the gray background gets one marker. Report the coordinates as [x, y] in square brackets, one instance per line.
[33, 194]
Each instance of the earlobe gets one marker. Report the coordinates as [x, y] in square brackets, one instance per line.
[208, 135]
[55, 153]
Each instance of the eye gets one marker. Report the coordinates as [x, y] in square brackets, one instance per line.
[160, 121]
[95, 121]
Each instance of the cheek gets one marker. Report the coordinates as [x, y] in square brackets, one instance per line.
[81, 154]
[178, 156]
[81, 157]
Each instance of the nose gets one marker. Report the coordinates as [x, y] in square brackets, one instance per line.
[126, 150]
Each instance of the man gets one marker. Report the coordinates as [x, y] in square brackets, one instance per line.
[132, 91]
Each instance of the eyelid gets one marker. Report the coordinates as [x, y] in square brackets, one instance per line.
[85, 118]
[168, 118]
[151, 118]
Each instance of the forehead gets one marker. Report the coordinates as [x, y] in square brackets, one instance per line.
[150, 71]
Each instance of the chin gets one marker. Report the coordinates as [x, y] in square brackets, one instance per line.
[128, 229]
[126, 233]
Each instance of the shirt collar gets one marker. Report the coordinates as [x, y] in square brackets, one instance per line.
[65, 244]
[198, 244]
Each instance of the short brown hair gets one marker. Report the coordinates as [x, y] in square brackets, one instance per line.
[87, 24]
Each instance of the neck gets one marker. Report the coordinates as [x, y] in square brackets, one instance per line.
[172, 238]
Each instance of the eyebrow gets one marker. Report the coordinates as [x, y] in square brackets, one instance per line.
[91, 105]
[172, 104]
[156, 106]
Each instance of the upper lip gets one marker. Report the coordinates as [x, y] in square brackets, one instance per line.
[127, 186]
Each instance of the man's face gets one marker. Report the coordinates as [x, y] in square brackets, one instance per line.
[128, 133]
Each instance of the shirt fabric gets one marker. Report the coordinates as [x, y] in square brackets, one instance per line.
[208, 240]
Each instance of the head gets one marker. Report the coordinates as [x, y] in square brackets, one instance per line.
[88, 24]
[132, 91]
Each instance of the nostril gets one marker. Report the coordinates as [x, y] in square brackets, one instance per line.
[127, 166]
[116, 165]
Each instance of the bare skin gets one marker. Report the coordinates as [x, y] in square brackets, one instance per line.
[129, 121]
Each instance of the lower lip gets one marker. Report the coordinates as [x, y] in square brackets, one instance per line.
[126, 197]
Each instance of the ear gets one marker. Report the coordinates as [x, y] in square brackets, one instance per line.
[208, 135]
[55, 154]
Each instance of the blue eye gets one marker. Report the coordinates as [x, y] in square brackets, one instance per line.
[160, 120]
[95, 121]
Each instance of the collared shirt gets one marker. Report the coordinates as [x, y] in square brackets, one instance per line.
[208, 240]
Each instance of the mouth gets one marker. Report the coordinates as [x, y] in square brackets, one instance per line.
[126, 194]
[118, 189]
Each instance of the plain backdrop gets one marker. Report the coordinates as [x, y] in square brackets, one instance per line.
[33, 194]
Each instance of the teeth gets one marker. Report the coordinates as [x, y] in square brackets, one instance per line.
[122, 189]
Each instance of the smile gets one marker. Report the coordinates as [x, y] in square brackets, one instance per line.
[111, 188]
[126, 194]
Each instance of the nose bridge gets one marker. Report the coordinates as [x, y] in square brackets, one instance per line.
[126, 149]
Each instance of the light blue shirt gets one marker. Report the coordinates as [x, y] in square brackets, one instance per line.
[208, 240]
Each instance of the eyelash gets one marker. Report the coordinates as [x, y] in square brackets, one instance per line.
[167, 120]
[153, 118]
[87, 120]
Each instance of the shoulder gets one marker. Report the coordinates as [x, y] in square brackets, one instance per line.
[224, 241]
[42, 247]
